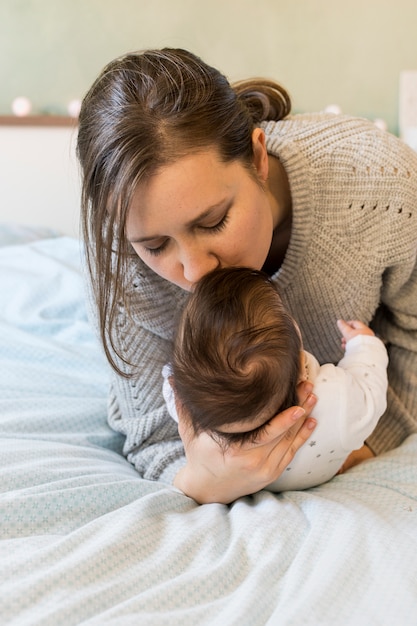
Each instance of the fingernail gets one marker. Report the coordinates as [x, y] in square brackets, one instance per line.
[311, 399]
[299, 412]
[311, 423]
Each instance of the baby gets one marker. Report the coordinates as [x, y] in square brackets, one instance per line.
[237, 359]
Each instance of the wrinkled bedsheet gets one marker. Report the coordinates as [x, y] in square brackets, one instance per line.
[85, 541]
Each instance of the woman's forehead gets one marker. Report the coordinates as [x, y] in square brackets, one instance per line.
[185, 190]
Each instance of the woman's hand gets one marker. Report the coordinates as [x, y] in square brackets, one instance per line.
[213, 474]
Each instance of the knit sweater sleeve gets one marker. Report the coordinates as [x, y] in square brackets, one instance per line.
[396, 322]
[142, 334]
[395, 319]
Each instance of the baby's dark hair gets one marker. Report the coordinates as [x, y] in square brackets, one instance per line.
[236, 355]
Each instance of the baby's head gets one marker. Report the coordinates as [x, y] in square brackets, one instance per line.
[236, 355]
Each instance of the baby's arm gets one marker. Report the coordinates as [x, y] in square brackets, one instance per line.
[349, 330]
[365, 372]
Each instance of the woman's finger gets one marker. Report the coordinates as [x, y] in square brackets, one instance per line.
[289, 422]
[304, 391]
[295, 439]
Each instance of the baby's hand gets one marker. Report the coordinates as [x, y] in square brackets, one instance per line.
[352, 328]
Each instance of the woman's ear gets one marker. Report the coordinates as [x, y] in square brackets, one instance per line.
[260, 154]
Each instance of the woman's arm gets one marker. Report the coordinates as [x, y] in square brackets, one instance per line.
[396, 323]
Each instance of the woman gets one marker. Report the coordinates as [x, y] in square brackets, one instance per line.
[183, 173]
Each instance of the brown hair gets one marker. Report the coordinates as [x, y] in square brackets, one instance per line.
[237, 351]
[146, 110]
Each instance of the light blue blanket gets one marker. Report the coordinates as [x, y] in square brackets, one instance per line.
[85, 541]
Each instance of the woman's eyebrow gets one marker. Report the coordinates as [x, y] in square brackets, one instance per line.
[143, 239]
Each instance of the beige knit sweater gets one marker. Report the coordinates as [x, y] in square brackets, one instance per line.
[352, 255]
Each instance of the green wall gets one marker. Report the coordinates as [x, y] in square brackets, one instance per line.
[345, 52]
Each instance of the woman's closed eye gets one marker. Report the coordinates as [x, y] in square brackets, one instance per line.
[218, 226]
[157, 249]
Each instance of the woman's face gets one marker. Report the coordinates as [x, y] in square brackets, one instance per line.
[200, 213]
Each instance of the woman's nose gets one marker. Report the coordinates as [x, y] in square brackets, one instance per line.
[195, 266]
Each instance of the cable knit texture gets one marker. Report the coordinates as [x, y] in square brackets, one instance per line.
[352, 255]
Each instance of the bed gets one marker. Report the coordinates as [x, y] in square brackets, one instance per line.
[84, 540]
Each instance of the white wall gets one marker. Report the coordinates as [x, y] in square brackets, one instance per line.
[39, 177]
